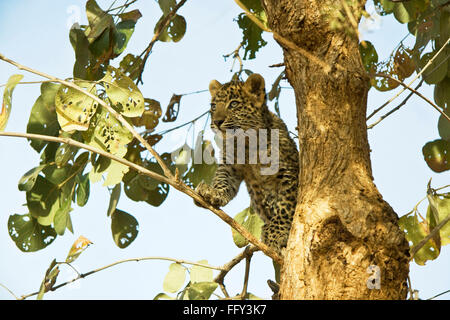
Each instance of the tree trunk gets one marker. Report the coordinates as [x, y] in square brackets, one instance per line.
[345, 242]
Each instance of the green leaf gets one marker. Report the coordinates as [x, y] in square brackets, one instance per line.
[28, 180]
[440, 206]
[107, 133]
[204, 165]
[437, 155]
[87, 66]
[43, 116]
[405, 12]
[62, 219]
[28, 234]
[175, 278]
[201, 290]
[123, 93]
[131, 66]
[114, 199]
[252, 39]
[42, 199]
[167, 5]
[175, 30]
[113, 170]
[64, 154]
[250, 221]
[133, 15]
[57, 175]
[98, 19]
[74, 108]
[442, 93]
[163, 296]
[201, 274]
[440, 62]
[133, 188]
[124, 228]
[139, 187]
[415, 232]
[156, 197]
[369, 56]
[49, 279]
[444, 126]
[83, 189]
[7, 99]
[124, 31]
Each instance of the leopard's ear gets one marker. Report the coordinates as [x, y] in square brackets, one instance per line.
[255, 87]
[214, 85]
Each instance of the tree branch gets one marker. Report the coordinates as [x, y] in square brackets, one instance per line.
[177, 184]
[401, 104]
[248, 252]
[7, 289]
[413, 91]
[84, 275]
[412, 81]
[118, 116]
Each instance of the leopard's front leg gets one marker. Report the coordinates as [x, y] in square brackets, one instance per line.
[224, 187]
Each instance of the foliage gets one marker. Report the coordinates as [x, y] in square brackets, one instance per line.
[199, 287]
[252, 39]
[417, 227]
[64, 174]
[428, 21]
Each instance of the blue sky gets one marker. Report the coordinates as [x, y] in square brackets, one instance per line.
[35, 33]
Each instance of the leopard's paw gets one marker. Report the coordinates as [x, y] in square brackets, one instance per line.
[210, 195]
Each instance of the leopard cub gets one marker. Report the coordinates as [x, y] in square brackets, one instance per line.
[273, 193]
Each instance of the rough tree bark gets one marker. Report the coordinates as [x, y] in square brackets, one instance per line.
[342, 226]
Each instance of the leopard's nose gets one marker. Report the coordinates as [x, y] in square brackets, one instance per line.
[218, 123]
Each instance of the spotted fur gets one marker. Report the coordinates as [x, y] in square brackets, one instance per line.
[242, 105]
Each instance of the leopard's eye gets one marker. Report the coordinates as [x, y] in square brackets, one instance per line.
[213, 106]
[233, 104]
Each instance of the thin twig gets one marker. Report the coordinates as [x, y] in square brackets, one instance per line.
[84, 275]
[440, 294]
[277, 65]
[236, 56]
[27, 82]
[401, 104]
[116, 114]
[414, 91]
[162, 26]
[7, 289]
[182, 125]
[124, 6]
[230, 265]
[411, 82]
[411, 291]
[81, 145]
[248, 259]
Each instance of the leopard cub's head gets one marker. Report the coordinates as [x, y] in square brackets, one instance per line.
[238, 105]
